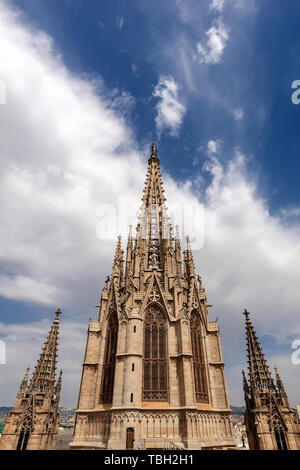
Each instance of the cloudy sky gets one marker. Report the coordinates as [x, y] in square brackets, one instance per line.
[85, 86]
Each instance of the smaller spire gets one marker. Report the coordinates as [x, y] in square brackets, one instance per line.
[24, 382]
[117, 258]
[178, 252]
[106, 283]
[188, 243]
[44, 374]
[245, 383]
[190, 267]
[279, 383]
[199, 278]
[118, 249]
[259, 374]
[59, 383]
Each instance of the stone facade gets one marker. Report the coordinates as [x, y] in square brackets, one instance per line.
[269, 420]
[153, 371]
[33, 422]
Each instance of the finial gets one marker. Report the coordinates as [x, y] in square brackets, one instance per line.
[277, 374]
[246, 313]
[57, 313]
[188, 242]
[106, 283]
[154, 149]
[26, 374]
[59, 382]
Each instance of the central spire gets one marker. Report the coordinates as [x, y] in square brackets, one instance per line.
[153, 228]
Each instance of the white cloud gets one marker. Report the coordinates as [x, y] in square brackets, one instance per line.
[238, 114]
[213, 147]
[120, 22]
[23, 346]
[134, 68]
[211, 52]
[170, 111]
[250, 259]
[216, 5]
[65, 149]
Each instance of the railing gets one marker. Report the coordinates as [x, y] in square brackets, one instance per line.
[170, 445]
[141, 445]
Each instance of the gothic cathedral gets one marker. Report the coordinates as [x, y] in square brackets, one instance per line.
[270, 422]
[153, 373]
[33, 422]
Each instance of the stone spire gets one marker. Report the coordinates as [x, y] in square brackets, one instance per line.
[44, 375]
[117, 270]
[25, 380]
[269, 420]
[129, 267]
[24, 385]
[33, 422]
[153, 220]
[178, 255]
[259, 374]
[280, 387]
[58, 386]
[190, 266]
[153, 346]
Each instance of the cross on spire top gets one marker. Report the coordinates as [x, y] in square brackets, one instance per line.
[246, 313]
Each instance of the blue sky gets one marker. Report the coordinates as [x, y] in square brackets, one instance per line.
[255, 72]
[89, 85]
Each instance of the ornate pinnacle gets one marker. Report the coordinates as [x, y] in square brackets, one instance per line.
[280, 385]
[154, 149]
[199, 278]
[245, 383]
[260, 377]
[57, 313]
[246, 313]
[153, 156]
[188, 243]
[24, 382]
[106, 282]
[44, 374]
[59, 382]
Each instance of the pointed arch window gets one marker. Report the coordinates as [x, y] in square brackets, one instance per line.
[155, 355]
[279, 435]
[109, 364]
[198, 359]
[24, 435]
